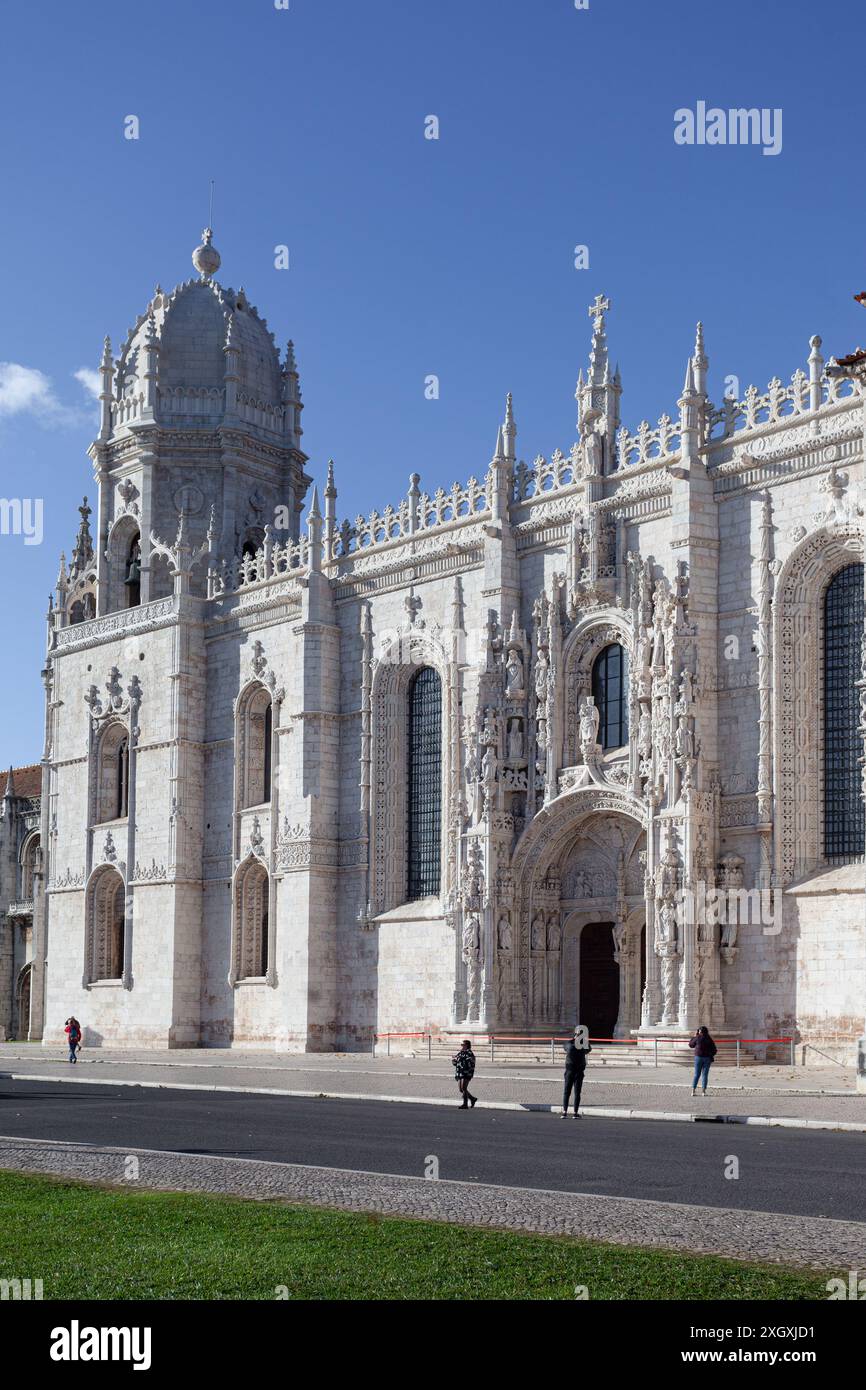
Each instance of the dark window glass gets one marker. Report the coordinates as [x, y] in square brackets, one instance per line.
[122, 786]
[269, 730]
[843, 748]
[610, 693]
[425, 783]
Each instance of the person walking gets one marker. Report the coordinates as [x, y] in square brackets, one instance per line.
[464, 1070]
[73, 1037]
[575, 1069]
[705, 1051]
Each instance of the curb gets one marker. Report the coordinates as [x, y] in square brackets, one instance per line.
[607, 1112]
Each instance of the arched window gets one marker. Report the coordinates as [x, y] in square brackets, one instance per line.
[132, 581]
[610, 693]
[425, 784]
[121, 772]
[251, 922]
[28, 868]
[106, 926]
[112, 777]
[255, 742]
[843, 747]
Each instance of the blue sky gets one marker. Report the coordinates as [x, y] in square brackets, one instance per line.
[411, 256]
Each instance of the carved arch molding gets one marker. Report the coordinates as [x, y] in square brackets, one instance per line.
[584, 644]
[389, 799]
[798, 742]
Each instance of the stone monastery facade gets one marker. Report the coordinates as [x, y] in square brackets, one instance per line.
[475, 762]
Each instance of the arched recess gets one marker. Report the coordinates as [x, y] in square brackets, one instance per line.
[29, 862]
[604, 628]
[111, 779]
[105, 926]
[251, 926]
[391, 685]
[614, 823]
[798, 696]
[254, 740]
[121, 542]
[22, 1002]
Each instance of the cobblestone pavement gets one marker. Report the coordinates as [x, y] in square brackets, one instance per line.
[777, 1239]
[765, 1091]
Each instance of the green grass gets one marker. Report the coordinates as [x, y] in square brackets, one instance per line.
[115, 1243]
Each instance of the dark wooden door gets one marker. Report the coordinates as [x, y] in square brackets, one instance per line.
[599, 980]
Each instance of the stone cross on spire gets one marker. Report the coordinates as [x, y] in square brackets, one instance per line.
[599, 307]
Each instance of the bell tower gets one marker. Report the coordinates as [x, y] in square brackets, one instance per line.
[201, 418]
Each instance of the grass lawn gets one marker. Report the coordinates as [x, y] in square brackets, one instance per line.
[125, 1244]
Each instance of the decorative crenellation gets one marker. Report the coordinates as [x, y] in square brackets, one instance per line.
[419, 512]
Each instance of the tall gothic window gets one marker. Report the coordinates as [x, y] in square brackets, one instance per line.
[843, 632]
[106, 926]
[255, 731]
[112, 774]
[610, 693]
[425, 784]
[122, 780]
[132, 581]
[28, 868]
[252, 922]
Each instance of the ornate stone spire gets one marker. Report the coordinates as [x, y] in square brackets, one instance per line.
[206, 258]
[509, 430]
[701, 362]
[598, 394]
[82, 553]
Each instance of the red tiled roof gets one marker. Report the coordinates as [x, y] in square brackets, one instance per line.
[26, 781]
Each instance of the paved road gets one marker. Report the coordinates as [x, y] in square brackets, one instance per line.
[785, 1171]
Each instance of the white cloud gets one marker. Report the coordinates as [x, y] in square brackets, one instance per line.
[27, 391]
[90, 380]
[23, 390]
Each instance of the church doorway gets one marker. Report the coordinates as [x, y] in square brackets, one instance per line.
[599, 980]
[23, 1024]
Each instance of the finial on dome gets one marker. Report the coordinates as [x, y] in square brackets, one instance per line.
[206, 258]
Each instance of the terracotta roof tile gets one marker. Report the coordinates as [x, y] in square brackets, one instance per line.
[26, 781]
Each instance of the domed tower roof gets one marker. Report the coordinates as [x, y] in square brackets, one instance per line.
[189, 346]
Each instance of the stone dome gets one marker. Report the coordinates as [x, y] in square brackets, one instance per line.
[192, 327]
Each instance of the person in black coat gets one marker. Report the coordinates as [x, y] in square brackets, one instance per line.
[464, 1069]
[575, 1067]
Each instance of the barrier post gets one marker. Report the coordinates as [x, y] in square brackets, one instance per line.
[389, 1044]
[655, 1052]
[429, 1046]
[738, 1051]
[793, 1053]
[492, 1046]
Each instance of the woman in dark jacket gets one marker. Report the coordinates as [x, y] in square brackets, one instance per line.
[575, 1066]
[705, 1051]
[464, 1070]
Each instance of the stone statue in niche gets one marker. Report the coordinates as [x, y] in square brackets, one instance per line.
[685, 739]
[515, 740]
[503, 934]
[645, 734]
[554, 935]
[537, 938]
[471, 937]
[541, 674]
[667, 924]
[514, 674]
[589, 721]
